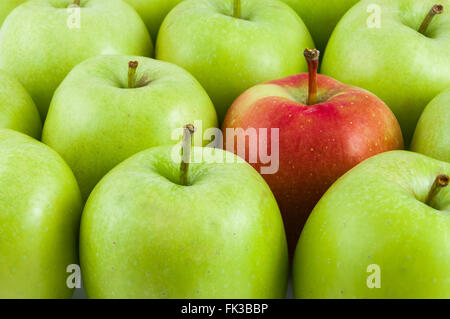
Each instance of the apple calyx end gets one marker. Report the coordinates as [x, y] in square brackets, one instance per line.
[435, 10]
[186, 146]
[312, 59]
[440, 182]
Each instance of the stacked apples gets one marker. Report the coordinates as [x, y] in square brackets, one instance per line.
[122, 174]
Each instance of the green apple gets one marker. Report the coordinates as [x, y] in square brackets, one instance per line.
[153, 12]
[6, 6]
[381, 231]
[321, 16]
[17, 109]
[42, 40]
[153, 229]
[385, 47]
[40, 206]
[432, 136]
[231, 46]
[97, 118]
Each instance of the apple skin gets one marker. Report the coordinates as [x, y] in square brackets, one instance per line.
[321, 16]
[317, 143]
[17, 109]
[95, 122]
[144, 235]
[153, 12]
[375, 214]
[432, 135]
[7, 6]
[48, 48]
[400, 65]
[40, 206]
[229, 55]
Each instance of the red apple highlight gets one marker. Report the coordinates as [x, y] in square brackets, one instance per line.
[319, 140]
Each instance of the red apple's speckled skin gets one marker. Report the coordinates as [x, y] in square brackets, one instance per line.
[317, 143]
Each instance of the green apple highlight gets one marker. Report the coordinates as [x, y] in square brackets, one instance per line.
[17, 109]
[392, 53]
[40, 206]
[153, 228]
[389, 217]
[6, 7]
[321, 16]
[432, 135]
[230, 46]
[102, 113]
[42, 40]
[153, 12]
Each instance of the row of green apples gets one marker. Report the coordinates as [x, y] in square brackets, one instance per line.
[320, 17]
[380, 45]
[90, 96]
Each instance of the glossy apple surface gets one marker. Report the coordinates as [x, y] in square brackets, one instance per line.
[321, 16]
[41, 41]
[153, 12]
[146, 235]
[17, 109]
[432, 136]
[229, 55]
[375, 215]
[6, 6]
[403, 67]
[95, 121]
[40, 207]
[317, 143]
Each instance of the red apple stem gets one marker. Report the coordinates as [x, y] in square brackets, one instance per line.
[440, 182]
[132, 66]
[189, 131]
[237, 9]
[312, 58]
[437, 9]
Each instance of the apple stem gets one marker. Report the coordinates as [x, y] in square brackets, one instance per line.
[440, 182]
[132, 66]
[237, 9]
[186, 147]
[312, 58]
[76, 3]
[437, 9]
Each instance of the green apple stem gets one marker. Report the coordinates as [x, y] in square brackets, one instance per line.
[437, 9]
[76, 3]
[440, 182]
[237, 9]
[189, 131]
[312, 58]
[132, 66]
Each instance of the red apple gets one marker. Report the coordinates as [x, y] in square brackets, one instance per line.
[325, 129]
